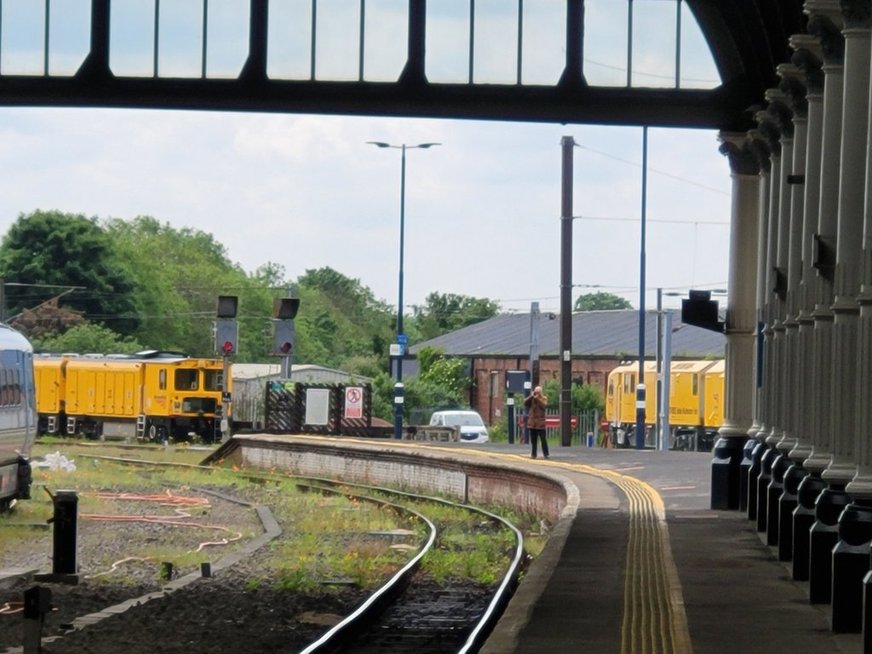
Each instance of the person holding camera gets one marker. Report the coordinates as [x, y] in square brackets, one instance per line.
[536, 403]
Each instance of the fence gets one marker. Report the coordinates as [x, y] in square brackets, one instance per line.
[582, 424]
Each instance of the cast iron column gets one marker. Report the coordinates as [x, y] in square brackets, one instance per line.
[740, 324]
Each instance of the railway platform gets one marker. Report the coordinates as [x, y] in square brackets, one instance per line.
[710, 584]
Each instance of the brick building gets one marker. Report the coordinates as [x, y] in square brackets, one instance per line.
[601, 340]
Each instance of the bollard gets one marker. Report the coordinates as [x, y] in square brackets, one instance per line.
[205, 569]
[37, 602]
[65, 540]
[166, 571]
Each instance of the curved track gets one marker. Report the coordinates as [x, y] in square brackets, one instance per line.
[408, 614]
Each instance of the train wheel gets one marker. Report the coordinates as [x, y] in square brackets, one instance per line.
[152, 432]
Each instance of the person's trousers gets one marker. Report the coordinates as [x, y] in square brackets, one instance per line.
[535, 436]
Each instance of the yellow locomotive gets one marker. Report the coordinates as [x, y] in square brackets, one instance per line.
[696, 399]
[154, 396]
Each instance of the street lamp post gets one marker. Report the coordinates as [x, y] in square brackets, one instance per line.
[401, 336]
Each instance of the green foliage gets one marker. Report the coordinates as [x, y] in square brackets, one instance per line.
[88, 338]
[446, 312]
[180, 274]
[48, 254]
[585, 397]
[152, 286]
[442, 381]
[601, 301]
[340, 319]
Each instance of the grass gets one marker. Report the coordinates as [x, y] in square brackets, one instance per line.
[329, 541]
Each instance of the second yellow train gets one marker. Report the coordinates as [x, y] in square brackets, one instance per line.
[696, 400]
[153, 396]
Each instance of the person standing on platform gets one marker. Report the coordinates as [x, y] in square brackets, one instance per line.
[536, 403]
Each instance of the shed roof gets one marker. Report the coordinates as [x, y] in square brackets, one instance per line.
[594, 334]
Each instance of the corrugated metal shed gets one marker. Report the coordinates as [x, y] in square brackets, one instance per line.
[594, 334]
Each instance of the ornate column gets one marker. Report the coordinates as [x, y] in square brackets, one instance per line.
[749, 469]
[822, 63]
[766, 453]
[847, 598]
[825, 503]
[740, 323]
[779, 438]
[805, 89]
[851, 555]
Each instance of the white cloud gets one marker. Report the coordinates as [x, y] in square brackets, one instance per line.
[482, 209]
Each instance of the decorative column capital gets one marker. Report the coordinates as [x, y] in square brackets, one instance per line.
[769, 131]
[857, 14]
[760, 148]
[794, 90]
[823, 23]
[738, 150]
[808, 60]
[780, 112]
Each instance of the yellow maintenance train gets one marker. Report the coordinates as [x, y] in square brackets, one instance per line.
[696, 398]
[154, 396]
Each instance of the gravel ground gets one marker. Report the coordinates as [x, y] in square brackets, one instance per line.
[222, 613]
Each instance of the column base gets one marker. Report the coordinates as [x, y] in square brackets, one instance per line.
[745, 466]
[725, 472]
[753, 475]
[803, 518]
[850, 565]
[786, 505]
[823, 536]
[776, 487]
[763, 481]
[867, 612]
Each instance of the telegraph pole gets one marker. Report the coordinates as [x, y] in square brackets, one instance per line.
[567, 143]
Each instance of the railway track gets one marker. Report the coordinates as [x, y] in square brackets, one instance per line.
[411, 613]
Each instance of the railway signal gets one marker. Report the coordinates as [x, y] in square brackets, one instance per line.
[226, 336]
[284, 334]
[226, 344]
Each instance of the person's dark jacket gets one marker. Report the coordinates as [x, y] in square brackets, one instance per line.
[536, 407]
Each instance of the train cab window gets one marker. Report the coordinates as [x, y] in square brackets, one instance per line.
[162, 379]
[10, 387]
[694, 385]
[212, 380]
[186, 380]
[199, 405]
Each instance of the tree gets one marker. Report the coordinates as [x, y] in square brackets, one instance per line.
[340, 319]
[584, 397]
[46, 320]
[180, 273]
[47, 252]
[87, 338]
[601, 301]
[447, 312]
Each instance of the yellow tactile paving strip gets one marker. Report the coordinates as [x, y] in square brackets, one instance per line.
[654, 620]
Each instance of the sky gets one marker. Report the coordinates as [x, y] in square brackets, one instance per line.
[482, 212]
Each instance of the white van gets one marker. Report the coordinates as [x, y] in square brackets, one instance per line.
[472, 427]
